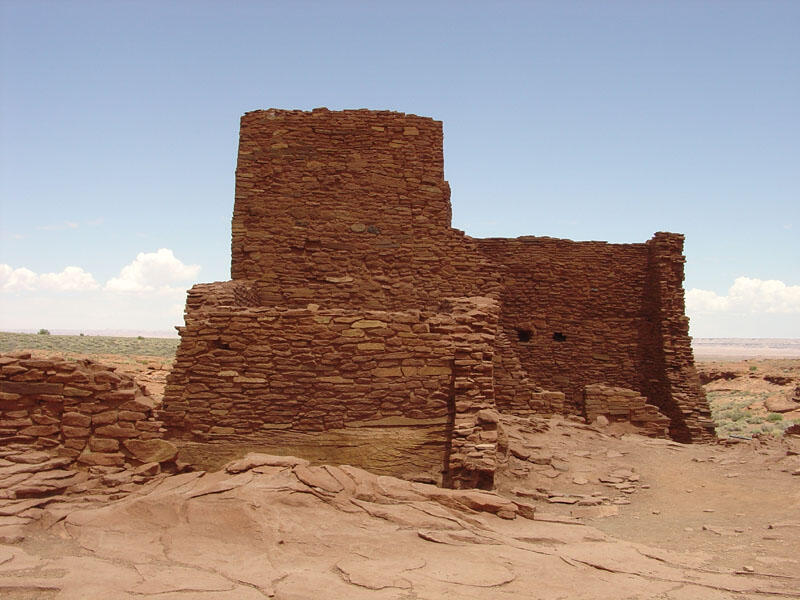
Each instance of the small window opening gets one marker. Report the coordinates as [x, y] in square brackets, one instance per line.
[221, 345]
[524, 335]
[559, 337]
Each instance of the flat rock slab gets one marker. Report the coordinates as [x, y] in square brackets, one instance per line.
[294, 531]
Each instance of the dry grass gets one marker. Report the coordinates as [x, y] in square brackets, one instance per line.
[90, 344]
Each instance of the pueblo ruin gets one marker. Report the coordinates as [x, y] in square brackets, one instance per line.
[354, 304]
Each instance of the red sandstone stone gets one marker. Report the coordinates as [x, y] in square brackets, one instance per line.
[103, 445]
[50, 414]
[76, 419]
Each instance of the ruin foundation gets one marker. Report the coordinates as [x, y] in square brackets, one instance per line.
[353, 301]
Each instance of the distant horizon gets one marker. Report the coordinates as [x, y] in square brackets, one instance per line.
[163, 333]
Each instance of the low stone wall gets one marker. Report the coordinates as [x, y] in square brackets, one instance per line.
[621, 404]
[515, 393]
[81, 410]
[246, 371]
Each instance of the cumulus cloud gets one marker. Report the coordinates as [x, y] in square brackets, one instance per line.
[147, 293]
[153, 272]
[71, 279]
[747, 296]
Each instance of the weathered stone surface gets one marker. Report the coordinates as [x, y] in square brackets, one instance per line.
[75, 419]
[151, 451]
[257, 534]
[71, 404]
[255, 459]
[103, 444]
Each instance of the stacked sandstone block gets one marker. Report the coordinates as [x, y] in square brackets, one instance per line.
[349, 209]
[573, 310]
[620, 404]
[581, 312]
[78, 409]
[678, 394]
[472, 455]
[243, 371]
[515, 393]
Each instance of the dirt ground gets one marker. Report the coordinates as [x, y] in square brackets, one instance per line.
[736, 501]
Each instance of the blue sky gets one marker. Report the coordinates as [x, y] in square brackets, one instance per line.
[584, 120]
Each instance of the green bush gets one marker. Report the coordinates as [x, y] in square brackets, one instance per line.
[774, 417]
[44, 332]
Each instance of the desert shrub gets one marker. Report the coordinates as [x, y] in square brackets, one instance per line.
[753, 369]
[774, 417]
[44, 332]
[737, 415]
[755, 419]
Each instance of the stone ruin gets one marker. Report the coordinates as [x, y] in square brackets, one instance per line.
[80, 411]
[354, 303]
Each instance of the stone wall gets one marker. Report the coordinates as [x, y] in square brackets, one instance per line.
[668, 361]
[244, 371]
[579, 313]
[515, 392]
[349, 208]
[620, 404]
[81, 410]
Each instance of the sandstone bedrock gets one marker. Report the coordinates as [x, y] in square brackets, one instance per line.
[352, 300]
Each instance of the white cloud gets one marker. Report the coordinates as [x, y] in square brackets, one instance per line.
[16, 279]
[153, 272]
[148, 293]
[747, 296]
[71, 279]
[59, 226]
[705, 301]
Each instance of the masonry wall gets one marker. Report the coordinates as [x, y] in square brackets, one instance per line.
[620, 404]
[81, 410]
[349, 208]
[246, 371]
[580, 313]
[573, 311]
[668, 361]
